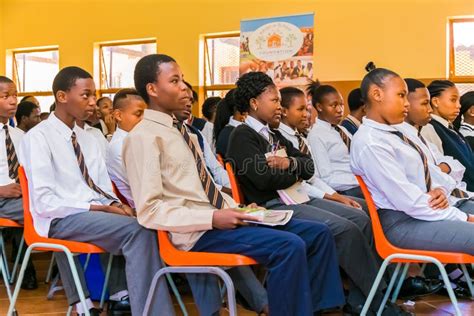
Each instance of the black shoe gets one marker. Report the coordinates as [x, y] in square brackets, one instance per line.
[29, 280]
[93, 311]
[418, 286]
[117, 308]
[459, 292]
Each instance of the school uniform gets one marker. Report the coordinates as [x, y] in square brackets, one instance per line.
[222, 140]
[171, 193]
[101, 140]
[350, 227]
[395, 173]
[330, 151]
[450, 142]
[244, 279]
[467, 130]
[351, 124]
[67, 175]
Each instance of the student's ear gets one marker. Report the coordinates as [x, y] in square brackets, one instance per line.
[318, 107]
[376, 93]
[151, 89]
[117, 115]
[434, 102]
[284, 111]
[254, 104]
[61, 96]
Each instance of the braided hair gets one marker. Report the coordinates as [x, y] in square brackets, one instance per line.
[250, 86]
[467, 100]
[317, 91]
[225, 110]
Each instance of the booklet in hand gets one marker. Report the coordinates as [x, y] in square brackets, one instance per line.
[268, 217]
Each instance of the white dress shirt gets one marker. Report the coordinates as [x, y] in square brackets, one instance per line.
[233, 122]
[258, 126]
[430, 135]
[447, 180]
[115, 166]
[16, 135]
[57, 187]
[331, 156]
[219, 174]
[466, 129]
[101, 140]
[393, 172]
[208, 133]
[315, 187]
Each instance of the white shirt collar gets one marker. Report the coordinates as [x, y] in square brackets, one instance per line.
[233, 122]
[354, 119]
[256, 125]
[323, 124]
[376, 125]
[440, 120]
[120, 131]
[286, 129]
[60, 126]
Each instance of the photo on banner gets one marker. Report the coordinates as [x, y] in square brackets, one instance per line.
[281, 47]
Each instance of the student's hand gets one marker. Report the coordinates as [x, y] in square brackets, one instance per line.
[230, 218]
[255, 205]
[109, 121]
[343, 199]
[12, 190]
[438, 200]
[445, 167]
[115, 208]
[470, 218]
[276, 162]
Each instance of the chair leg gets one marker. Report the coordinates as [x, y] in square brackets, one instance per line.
[422, 270]
[72, 266]
[5, 279]
[86, 264]
[400, 282]
[17, 259]
[4, 254]
[106, 280]
[388, 290]
[69, 311]
[50, 269]
[468, 279]
[175, 291]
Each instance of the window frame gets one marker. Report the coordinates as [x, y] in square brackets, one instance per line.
[100, 91]
[14, 69]
[452, 66]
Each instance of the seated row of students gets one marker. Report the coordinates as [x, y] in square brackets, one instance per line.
[465, 120]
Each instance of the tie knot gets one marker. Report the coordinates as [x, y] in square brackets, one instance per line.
[73, 136]
[5, 127]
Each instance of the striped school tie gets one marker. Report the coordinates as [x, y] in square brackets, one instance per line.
[12, 158]
[83, 168]
[302, 144]
[456, 192]
[344, 137]
[423, 158]
[212, 192]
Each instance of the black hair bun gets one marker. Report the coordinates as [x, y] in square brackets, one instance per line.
[370, 66]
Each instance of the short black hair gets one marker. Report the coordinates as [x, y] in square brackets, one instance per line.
[317, 91]
[225, 110]
[52, 107]
[123, 94]
[190, 87]
[209, 106]
[467, 100]
[26, 97]
[67, 77]
[25, 108]
[4, 79]
[287, 94]
[147, 70]
[101, 99]
[250, 86]
[414, 84]
[376, 77]
[436, 87]
[354, 100]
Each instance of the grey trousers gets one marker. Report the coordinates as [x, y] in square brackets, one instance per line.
[407, 232]
[352, 231]
[12, 209]
[119, 235]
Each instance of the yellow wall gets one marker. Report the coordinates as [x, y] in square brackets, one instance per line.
[408, 36]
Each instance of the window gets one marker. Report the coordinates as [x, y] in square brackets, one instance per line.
[221, 63]
[33, 71]
[117, 62]
[461, 53]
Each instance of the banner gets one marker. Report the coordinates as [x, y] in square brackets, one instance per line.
[281, 47]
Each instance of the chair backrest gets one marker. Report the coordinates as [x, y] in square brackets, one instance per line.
[220, 159]
[31, 236]
[237, 194]
[383, 246]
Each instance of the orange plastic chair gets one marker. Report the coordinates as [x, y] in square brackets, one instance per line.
[220, 159]
[237, 195]
[8, 223]
[401, 256]
[196, 262]
[38, 242]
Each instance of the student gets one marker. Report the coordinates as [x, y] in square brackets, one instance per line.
[172, 194]
[30, 98]
[440, 131]
[227, 118]
[44, 116]
[106, 119]
[331, 143]
[357, 109]
[209, 108]
[96, 133]
[27, 115]
[413, 206]
[260, 178]
[71, 193]
[294, 118]
[466, 126]
[193, 120]
[11, 202]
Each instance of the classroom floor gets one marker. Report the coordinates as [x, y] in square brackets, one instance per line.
[35, 302]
